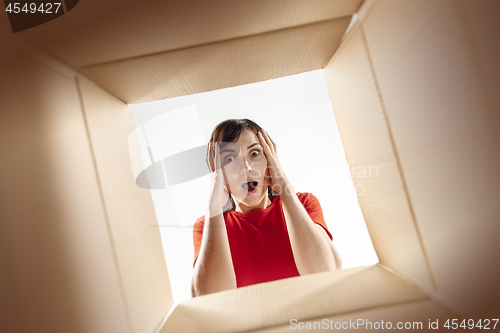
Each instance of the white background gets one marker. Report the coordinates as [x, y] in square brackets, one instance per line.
[297, 113]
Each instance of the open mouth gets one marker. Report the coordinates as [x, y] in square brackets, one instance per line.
[250, 187]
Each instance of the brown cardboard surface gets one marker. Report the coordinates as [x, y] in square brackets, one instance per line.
[414, 91]
[57, 269]
[481, 27]
[365, 9]
[413, 313]
[438, 111]
[102, 31]
[221, 65]
[305, 297]
[129, 210]
[88, 11]
[4, 23]
[372, 160]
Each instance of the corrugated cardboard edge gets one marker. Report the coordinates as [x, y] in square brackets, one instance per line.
[274, 303]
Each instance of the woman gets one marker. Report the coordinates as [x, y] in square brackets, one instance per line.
[258, 229]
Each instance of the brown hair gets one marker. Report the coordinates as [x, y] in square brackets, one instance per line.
[230, 131]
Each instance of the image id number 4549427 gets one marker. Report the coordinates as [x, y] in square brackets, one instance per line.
[470, 324]
[46, 8]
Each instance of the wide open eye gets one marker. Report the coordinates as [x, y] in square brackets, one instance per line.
[255, 153]
[229, 159]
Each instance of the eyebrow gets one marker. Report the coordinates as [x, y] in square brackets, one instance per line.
[253, 144]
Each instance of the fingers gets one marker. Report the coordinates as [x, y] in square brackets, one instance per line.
[268, 141]
[264, 144]
[209, 159]
[217, 156]
[213, 156]
[274, 143]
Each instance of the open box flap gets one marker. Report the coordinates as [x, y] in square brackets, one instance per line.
[302, 298]
[372, 158]
[98, 31]
[411, 87]
[221, 65]
[414, 314]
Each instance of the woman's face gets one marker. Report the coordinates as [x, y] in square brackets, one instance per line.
[245, 165]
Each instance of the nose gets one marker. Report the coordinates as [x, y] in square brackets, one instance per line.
[247, 167]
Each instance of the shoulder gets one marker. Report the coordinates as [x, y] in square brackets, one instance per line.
[309, 201]
[198, 224]
[306, 197]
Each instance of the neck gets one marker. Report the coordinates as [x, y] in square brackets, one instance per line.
[242, 208]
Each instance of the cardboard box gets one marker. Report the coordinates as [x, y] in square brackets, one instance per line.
[414, 86]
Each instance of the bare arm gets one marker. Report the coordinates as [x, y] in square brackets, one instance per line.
[214, 270]
[312, 248]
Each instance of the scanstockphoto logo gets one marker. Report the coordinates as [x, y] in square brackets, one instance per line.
[168, 156]
[168, 150]
[28, 14]
[360, 172]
